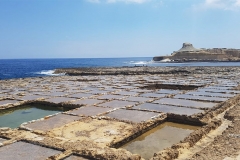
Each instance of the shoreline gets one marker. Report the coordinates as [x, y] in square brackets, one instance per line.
[142, 70]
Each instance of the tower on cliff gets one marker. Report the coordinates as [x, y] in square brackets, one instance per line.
[187, 47]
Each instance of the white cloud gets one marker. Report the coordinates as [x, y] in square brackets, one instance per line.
[220, 4]
[237, 3]
[115, 1]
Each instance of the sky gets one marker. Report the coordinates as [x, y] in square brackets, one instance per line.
[114, 28]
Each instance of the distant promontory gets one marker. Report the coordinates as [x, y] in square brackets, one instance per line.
[188, 53]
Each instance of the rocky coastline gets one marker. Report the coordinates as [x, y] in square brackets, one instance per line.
[142, 70]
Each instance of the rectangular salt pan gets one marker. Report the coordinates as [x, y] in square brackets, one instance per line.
[87, 102]
[219, 87]
[126, 93]
[117, 104]
[185, 103]
[5, 102]
[108, 97]
[138, 99]
[219, 91]
[199, 93]
[23, 150]
[59, 99]
[98, 92]
[89, 111]
[158, 138]
[168, 109]
[153, 95]
[141, 90]
[31, 97]
[80, 95]
[132, 115]
[52, 122]
[125, 87]
[110, 89]
[52, 94]
[166, 91]
[14, 117]
[203, 98]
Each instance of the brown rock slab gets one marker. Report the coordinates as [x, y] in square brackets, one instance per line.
[102, 132]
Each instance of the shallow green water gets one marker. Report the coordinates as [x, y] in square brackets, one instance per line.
[159, 138]
[14, 117]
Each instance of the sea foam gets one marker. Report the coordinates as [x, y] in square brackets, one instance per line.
[50, 73]
[140, 62]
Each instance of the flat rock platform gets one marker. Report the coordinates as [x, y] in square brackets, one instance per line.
[105, 108]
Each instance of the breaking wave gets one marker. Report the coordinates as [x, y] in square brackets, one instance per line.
[49, 73]
[139, 62]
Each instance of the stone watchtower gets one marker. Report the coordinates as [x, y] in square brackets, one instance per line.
[187, 47]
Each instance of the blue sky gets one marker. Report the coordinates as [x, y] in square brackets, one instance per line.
[114, 28]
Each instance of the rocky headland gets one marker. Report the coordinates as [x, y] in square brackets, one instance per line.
[188, 53]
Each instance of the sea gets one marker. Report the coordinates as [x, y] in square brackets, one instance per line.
[23, 68]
